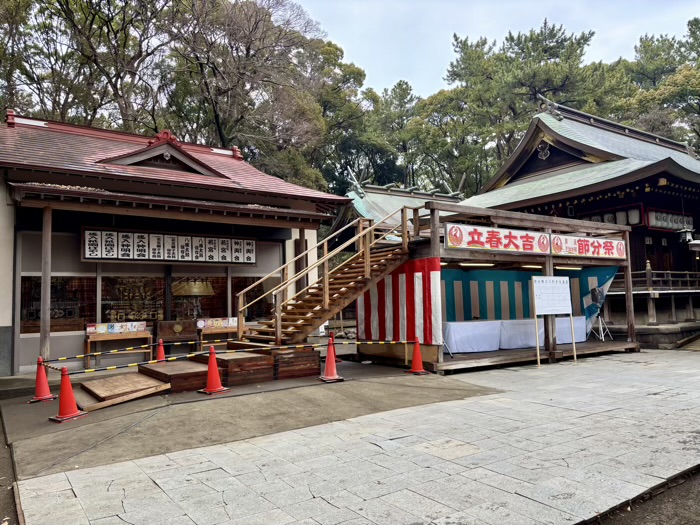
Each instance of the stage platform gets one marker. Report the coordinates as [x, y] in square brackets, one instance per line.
[507, 357]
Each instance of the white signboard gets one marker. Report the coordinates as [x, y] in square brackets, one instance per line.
[469, 237]
[552, 295]
[99, 244]
[593, 247]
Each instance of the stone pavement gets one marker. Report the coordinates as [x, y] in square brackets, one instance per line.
[559, 445]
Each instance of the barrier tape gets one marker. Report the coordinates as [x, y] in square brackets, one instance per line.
[206, 352]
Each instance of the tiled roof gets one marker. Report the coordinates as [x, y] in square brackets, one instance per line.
[42, 145]
[376, 204]
[588, 175]
[626, 146]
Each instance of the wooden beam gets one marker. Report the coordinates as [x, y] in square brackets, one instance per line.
[45, 321]
[167, 214]
[512, 218]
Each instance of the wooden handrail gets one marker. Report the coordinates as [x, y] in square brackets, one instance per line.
[365, 236]
[279, 270]
[340, 266]
[365, 233]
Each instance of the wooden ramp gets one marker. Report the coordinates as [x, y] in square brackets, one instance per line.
[108, 391]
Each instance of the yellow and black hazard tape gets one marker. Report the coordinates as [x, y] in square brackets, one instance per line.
[205, 352]
[151, 362]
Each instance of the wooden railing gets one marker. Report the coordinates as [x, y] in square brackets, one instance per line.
[367, 236]
[652, 280]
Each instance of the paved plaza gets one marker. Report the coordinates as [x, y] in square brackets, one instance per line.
[557, 445]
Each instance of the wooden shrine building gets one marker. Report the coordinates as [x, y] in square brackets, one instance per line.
[575, 165]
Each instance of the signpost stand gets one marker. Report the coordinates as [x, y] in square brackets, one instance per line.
[552, 296]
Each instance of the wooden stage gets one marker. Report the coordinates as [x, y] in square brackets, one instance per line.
[507, 357]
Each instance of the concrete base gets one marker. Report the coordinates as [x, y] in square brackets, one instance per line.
[663, 336]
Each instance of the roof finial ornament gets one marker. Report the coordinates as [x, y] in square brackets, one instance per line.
[237, 153]
[691, 150]
[550, 107]
[10, 118]
[164, 136]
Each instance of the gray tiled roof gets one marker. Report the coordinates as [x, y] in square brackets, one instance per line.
[636, 154]
[580, 178]
[623, 145]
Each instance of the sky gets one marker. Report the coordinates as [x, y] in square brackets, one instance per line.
[411, 40]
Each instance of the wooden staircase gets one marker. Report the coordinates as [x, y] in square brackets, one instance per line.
[380, 249]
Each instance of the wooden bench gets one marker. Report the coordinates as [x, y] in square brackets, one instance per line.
[123, 336]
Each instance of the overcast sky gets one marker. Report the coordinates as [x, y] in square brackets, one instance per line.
[412, 39]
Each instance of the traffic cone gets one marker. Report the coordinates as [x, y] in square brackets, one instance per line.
[331, 341]
[214, 385]
[160, 353]
[41, 389]
[330, 375]
[417, 362]
[67, 407]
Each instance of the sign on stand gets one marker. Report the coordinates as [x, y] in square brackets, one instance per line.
[552, 296]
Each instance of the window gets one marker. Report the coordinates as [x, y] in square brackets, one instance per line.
[127, 299]
[73, 303]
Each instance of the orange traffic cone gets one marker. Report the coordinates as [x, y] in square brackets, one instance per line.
[214, 385]
[160, 353]
[67, 407]
[417, 361]
[330, 375]
[331, 341]
[41, 389]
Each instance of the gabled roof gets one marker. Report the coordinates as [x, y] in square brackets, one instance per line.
[57, 147]
[376, 202]
[610, 150]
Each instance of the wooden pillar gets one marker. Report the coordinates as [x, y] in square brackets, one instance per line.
[434, 233]
[651, 300]
[550, 331]
[629, 298]
[45, 323]
[416, 223]
[168, 294]
[229, 292]
[606, 311]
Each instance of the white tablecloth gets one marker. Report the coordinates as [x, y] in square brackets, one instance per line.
[472, 336]
[564, 330]
[520, 333]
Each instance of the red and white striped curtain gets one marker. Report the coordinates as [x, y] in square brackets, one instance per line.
[404, 306]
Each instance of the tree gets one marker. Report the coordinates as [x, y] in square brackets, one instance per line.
[14, 15]
[123, 40]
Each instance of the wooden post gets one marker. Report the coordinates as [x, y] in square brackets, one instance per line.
[404, 228]
[240, 327]
[573, 336]
[537, 340]
[629, 298]
[606, 311]
[285, 278]
[45, 323]
[550, 332]
[326, 285]
[434, 233]
[168, 294]
[365, 248]
[416, 223]
[278, 318]
[651, 305]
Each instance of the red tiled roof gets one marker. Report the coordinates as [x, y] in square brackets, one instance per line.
[55, 146]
